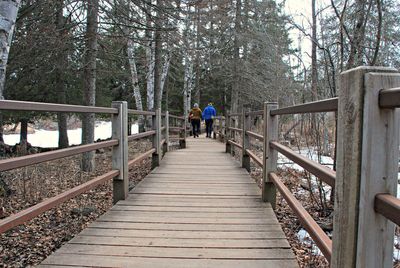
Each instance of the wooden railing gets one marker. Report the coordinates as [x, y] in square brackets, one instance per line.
[119, 143]
[367, 152]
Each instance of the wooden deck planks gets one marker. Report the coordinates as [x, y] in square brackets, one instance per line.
[198, 209]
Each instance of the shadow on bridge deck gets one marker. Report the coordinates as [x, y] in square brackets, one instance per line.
[198, 209]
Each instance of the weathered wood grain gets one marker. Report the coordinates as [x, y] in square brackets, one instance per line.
[199, 208]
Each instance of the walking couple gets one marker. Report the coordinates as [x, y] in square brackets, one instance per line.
[196, 115]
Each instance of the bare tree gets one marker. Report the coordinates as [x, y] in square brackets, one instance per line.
[60, 80]
[8, 16]
[88, 120]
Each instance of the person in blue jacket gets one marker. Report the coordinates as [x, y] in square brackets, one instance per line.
[208, 115]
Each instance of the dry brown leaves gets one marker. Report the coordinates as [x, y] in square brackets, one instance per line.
[32, 242]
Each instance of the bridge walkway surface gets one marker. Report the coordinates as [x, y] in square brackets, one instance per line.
[199, 208]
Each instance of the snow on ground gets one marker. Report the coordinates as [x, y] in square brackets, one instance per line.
[49, 138]
[303, 235]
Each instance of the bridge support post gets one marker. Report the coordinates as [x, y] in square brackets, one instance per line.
[220, 127]
[246, 125]
[182, 134]
[120, 151]
[156, 156]
[367, 164]
[228, 132]
[270, 156]
[166, 122]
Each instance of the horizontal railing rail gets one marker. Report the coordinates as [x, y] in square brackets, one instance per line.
[139, 112]
[389, 98]
[389, 206]
[255, 135]
[235, 144]
[30, 213]
[141, 157]
[173, 129]
[28, 160]
[255, 158]
[322, 240]
[325, 174]
[255, 113]
[236, 129]
[329, 105]
[142, 135]
[53, 107]
[177, 117]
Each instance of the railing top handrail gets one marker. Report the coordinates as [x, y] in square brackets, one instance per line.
[323, 173]
[258, 112]
[53, 107]
[389, 98]
[32, 159]
[328, 105]
[139, 112]
[177, 116]
[389, 206]
[235, 114]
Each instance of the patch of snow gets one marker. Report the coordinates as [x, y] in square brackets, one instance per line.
[311, 154]
[305, 238]
[396, 252]
[49, 138]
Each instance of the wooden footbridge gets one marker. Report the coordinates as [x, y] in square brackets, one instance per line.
[200, 208]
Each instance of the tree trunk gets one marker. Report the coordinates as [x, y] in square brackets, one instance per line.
[187, 85]
[197, 57]
[236, 59]
[8, 16]
[149, 61]
[357, 44]
[60, 81]
[88, 161]
[135, 83]
[157, 56]
[314, 70]
[164, 73]
[23, 135]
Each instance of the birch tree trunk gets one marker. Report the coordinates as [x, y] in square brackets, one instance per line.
[60, 79]
[134, 75]
[164, 73]
[88, 120]
[135, 82]
[8, 16]
[150, 62]
[187, 86]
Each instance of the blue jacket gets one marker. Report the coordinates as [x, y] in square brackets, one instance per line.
[209, 112]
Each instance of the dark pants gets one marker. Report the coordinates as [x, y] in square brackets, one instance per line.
[209, 127]
[195, 126]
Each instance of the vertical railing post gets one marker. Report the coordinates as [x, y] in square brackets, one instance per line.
[166, 144]
[233, 133]
[367, 164]
[246, 125]
[182, 134]
[215, 128]
[270, 156]
[220, 132]
[120, 151]
[227, 134]
[156, 157]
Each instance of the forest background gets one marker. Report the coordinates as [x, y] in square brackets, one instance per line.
[170, 54]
